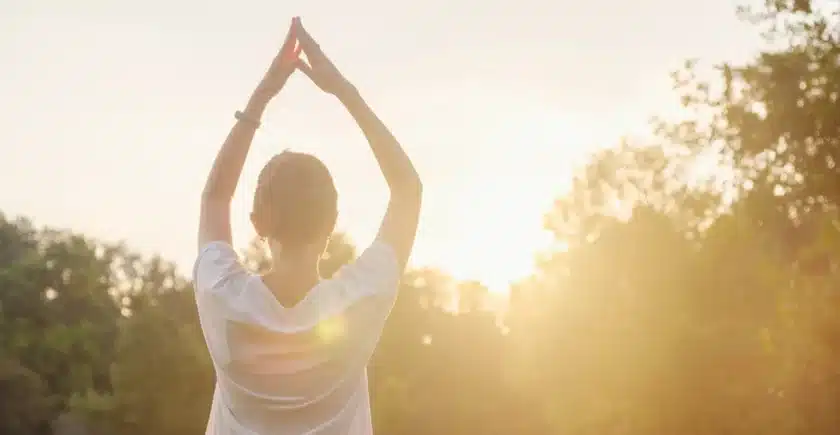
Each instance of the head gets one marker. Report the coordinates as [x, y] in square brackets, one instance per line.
[295, 204]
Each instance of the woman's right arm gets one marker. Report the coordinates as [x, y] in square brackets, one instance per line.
[399, 227]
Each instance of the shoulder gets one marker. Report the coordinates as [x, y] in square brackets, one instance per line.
[376, 271]
[217, 264]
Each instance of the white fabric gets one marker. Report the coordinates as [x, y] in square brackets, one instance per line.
[292, 370]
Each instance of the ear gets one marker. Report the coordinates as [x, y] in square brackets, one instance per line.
[327, 229]
[255, 221]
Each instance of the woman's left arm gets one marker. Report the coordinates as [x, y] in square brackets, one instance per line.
[214, 219]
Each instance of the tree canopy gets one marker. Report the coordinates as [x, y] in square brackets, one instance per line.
[695, 293]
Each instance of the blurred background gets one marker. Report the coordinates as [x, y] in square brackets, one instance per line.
[630, 216]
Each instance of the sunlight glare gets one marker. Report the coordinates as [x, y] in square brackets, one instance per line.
[330, 330]
[501, 226]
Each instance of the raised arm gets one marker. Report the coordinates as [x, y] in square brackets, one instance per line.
[214, 220]
[399, 226]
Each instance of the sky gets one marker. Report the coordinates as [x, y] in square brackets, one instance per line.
[112, 112]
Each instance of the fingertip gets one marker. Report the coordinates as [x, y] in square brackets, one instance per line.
[300, 26]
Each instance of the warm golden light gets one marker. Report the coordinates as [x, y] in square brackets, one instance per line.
[577, 269]
[332, 329]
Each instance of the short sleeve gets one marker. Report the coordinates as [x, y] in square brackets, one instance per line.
[375, 273]
[369, 289]
[217, 273]
[216, 267]
[223, 286]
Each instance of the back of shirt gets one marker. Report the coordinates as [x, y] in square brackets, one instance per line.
[296, 370]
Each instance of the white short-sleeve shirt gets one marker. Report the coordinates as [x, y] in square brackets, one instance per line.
[292, 370]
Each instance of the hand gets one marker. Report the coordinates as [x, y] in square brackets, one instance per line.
[281, 67]
[320, 69]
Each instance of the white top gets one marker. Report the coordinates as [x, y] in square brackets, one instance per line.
[297, 370]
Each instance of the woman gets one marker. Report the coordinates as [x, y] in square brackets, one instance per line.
[290, 349]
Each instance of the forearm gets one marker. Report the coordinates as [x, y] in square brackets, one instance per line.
[396, 167]
[227, 168]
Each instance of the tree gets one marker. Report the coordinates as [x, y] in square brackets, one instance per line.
[768, 127]
[58, 313]
[689, 297]
[673, 279]
[27, 405]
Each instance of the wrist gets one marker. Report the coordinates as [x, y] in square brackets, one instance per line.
[256, 104]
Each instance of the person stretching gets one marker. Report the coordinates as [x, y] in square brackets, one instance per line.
[290, 348]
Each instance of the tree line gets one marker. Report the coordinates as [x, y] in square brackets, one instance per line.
[683, 301]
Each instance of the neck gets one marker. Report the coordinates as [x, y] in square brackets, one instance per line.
[292, 275]
[302, 263]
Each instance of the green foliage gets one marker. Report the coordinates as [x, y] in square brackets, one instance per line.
[685, 301]
[27, 406]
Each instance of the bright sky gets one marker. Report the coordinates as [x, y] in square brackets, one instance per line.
[112, 112]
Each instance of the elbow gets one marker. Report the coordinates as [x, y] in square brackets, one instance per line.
[411, 188]
[404, 183]
[418, 187]
[412, 184]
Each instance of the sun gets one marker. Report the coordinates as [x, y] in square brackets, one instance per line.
[501, 232]
[500, 213]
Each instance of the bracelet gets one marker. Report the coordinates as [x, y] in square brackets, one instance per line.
[241, 116]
